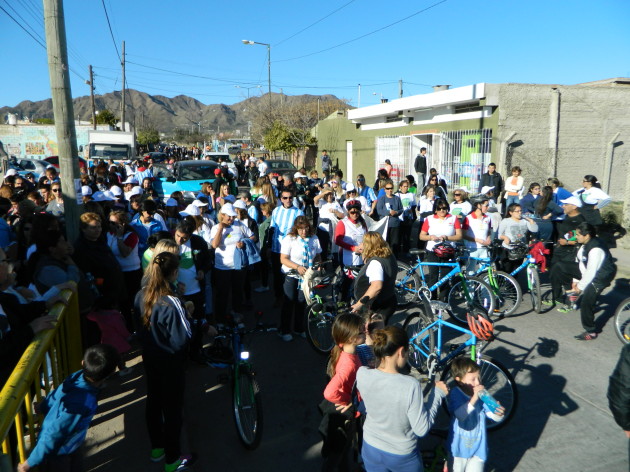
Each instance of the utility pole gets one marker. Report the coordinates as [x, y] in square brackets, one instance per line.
[400, 88]
[63, 110]
[359, 98]
[92, 98]
[122, 113]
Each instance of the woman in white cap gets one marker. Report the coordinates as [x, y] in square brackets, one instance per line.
[227, 236]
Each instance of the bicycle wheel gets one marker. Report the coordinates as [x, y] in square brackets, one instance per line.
[499, 383]
[622, 321]
[407, 284]
[481, 297]
[247, 406]
[319, 321]
[507, 291]
[534, 289]
[414, 323]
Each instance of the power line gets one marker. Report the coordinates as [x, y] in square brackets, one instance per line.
[313, 24]
[25, 30]
[364, 35]
[110, 30]
[230, 81]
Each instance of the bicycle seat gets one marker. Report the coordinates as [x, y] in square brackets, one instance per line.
[416, 251]
[437, 305]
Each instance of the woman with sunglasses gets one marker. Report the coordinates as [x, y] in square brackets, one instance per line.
[442, 227]
[460, 206]
[55, 206]
[349, 235]
[439, 191]
[389, 206]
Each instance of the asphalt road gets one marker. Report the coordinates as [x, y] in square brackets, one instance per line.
[562, 422]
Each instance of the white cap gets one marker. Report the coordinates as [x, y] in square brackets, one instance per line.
[199, 203]
[171, 202]
[116, 191]
[190, 210]
[299, 175]
[227, 209]
[350, 188]
[135, 191]
[224, 164]
[486, 189]
[572, 201]
[10, 172]
[50, 166]
[131, 180]
[105, 196]
[86, 190]
[240, 204]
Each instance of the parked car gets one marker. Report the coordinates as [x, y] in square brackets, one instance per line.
[54, 160]
[24, 166]
[280, 166]
[156, 156]
[220, 157]
[186, 177]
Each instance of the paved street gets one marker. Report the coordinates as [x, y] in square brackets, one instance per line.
[562, 422]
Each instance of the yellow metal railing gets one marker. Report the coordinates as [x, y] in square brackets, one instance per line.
[47, 361]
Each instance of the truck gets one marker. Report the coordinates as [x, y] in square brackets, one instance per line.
[116, 145]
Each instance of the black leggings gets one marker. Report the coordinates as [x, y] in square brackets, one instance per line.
[166, 380]
[293, 306]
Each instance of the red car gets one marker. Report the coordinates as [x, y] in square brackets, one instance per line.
[54, 160]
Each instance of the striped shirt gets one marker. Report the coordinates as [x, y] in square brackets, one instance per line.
[282, 221]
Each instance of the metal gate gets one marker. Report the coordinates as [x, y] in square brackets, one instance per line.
[463, 157]
[398, 150]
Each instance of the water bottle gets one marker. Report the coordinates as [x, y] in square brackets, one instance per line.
[489, 400]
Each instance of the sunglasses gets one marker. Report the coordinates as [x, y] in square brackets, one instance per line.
[457, 194]
[354, 212]
[287, 198]
[389, 188]
[442, 209]
[56, 190]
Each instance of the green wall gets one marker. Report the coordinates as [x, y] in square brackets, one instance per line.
[333, 132]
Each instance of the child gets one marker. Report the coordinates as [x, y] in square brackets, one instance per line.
[338, 425]
[467, 440]
[69, 410]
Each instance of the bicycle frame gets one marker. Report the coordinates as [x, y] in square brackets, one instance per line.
[437, 325]
[457, 270]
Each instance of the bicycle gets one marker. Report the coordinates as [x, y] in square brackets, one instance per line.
[505, 287]
[246, 400]
[533, 279]
[464, 295]
[622, 321]
[427, 356]
[321, 310]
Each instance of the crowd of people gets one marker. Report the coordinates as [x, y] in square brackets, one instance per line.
[169, 272]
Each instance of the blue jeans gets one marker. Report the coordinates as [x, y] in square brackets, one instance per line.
[376, 460]
[511, 199]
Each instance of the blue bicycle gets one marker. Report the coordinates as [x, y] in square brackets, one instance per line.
[505, 287]
[428, 355]
[463, 296]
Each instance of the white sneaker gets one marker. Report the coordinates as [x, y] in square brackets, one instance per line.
[286, 337]
[261, 289]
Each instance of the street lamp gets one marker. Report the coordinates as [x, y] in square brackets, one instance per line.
[248, 88]
[249, 42]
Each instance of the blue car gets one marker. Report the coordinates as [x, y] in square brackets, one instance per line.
[186, 177]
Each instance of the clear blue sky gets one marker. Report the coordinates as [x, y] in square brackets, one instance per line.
[455, 42]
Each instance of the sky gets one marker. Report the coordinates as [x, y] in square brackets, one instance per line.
[194, 47]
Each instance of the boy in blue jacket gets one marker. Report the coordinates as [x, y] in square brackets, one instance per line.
[69, 410]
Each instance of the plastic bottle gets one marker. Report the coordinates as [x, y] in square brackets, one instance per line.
[489, 400]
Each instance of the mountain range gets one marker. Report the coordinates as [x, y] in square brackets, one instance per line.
[164, 113]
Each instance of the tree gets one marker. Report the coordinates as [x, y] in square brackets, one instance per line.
[106, 117]
[148, 135]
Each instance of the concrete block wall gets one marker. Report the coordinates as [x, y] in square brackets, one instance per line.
[589, 117]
